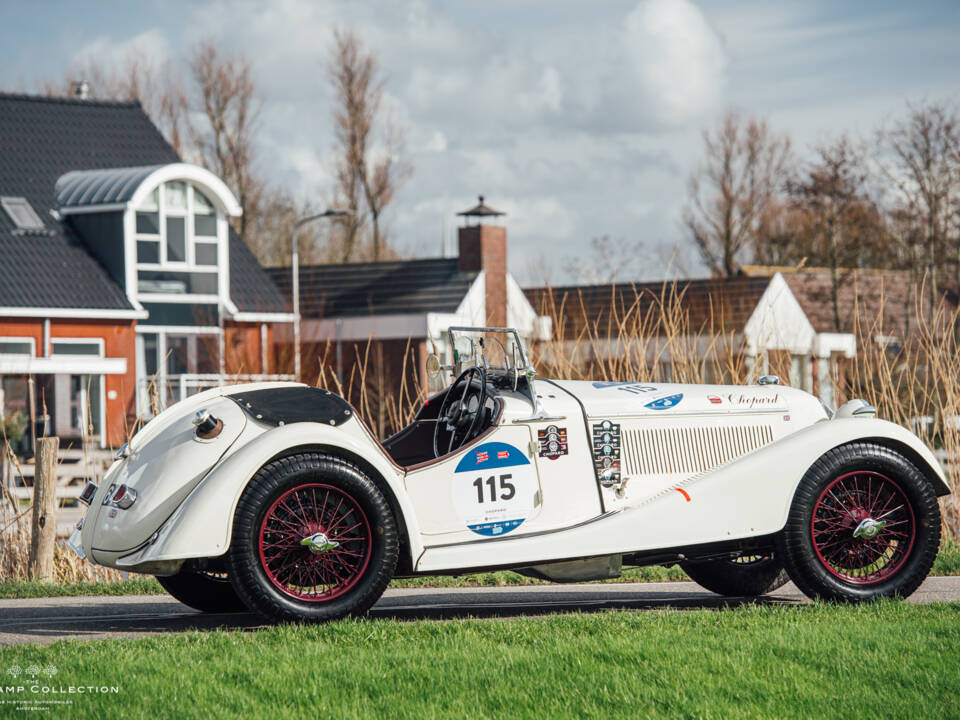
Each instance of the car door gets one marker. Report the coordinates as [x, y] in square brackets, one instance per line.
[489, 489]
[514, 480]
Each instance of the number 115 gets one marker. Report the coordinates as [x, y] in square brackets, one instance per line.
[507, 489]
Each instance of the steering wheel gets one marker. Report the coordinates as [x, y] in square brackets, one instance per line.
[460, 417]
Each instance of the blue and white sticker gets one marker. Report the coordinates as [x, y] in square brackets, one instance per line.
[494, 488]
[665, 403]
[655, 397]
[630, 387]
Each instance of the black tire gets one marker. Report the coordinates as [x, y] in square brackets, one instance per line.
[275, 582]
[209, 592]
[740, 577]
[822, 554]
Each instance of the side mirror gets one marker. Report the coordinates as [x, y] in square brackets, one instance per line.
[433, 365]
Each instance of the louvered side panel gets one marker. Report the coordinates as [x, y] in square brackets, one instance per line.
[686, 450]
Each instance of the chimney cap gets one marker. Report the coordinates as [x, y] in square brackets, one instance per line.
[481, 210]
[80, 89]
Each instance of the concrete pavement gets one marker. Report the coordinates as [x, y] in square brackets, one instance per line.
[45, 620]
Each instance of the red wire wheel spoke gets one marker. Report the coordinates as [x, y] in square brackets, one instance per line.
[299, 513]
[846, 502]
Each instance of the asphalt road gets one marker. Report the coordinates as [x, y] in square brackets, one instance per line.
[45, 620]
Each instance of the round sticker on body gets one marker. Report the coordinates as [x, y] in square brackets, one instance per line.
[494, 487]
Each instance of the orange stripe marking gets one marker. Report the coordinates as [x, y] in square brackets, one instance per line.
[684, 493]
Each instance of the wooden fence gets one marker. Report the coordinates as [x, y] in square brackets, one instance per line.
[74, 468]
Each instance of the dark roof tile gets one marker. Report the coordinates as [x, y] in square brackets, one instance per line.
[43, 139]
[40, 140]
[714, 304]
[383, 288]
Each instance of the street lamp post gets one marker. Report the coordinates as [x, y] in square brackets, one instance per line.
[295, 264]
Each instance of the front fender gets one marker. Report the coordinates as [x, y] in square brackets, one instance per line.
[752, 495]
[202, 526]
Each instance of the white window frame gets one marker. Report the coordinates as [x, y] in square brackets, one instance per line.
[162, 331]
[100, 342]
[22, 204]
[191, 240]
[31, 340]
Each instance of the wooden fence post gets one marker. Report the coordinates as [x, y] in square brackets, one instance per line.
[44, 536]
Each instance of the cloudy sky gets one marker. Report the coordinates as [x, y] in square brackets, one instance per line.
[578, 119]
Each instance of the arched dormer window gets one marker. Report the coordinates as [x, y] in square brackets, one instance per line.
[175, 232]
[178, 229]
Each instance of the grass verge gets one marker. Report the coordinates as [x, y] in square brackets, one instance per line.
[947, 563]
[750, 662]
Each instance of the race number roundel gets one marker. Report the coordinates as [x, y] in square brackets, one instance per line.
[494, 487]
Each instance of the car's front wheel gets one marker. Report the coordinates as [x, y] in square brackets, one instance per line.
[313, 539]
[745, 576]
[864, 523]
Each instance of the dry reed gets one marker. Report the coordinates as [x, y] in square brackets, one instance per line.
[913, 381]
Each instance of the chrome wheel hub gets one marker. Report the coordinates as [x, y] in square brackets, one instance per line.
[319, 543]
[868, 528]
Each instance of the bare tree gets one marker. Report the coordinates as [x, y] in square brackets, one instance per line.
[746, 164]
[270, 237]
[609, 260]
[230, 104]
[920, 156]
[368, 175]
[781, 230]
[842, 224]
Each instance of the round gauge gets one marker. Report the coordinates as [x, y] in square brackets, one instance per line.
[553, 446]
[552, 429]
[607, 437]
[607, 462]
[552, 437]
[607, 425]
[607, 450]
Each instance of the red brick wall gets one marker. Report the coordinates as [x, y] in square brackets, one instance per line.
[243, 349]
[119, 342]
[484, 247]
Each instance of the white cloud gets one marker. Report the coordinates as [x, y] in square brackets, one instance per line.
[578, 119]
[551, 89]
[151, 45]
[678, 57]
[437, 142]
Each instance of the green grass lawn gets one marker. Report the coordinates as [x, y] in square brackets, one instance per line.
[887, 659]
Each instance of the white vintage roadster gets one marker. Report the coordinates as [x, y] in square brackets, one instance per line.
[278, 499]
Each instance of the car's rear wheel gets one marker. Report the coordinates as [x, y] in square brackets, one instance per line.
[202, 590]
[314, 539]
[744, 576]
[864, 523]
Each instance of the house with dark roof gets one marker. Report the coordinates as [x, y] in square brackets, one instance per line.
[766, 317]
[403, 308]
[118, 270]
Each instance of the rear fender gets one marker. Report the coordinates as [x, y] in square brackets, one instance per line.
[202, 526]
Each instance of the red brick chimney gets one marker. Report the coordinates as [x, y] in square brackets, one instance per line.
[484, 247]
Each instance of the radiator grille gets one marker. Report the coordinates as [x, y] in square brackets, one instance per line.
[665, 451]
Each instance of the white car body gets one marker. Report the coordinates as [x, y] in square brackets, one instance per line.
[700, 466]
